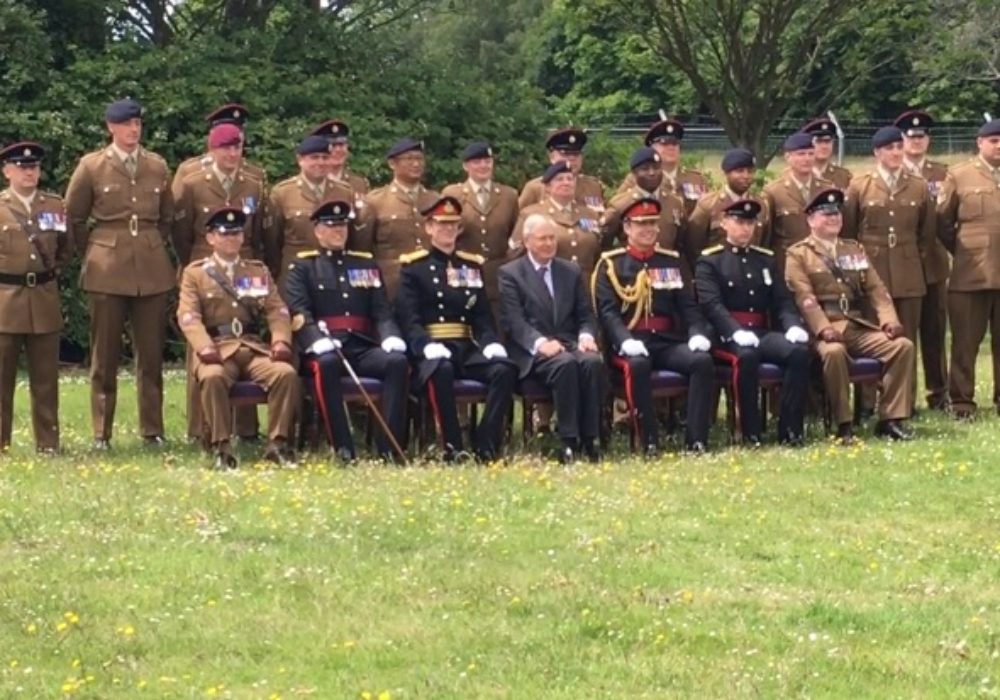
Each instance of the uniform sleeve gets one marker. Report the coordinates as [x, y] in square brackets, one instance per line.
[947, 212]
[927, 225]
[879, 298]
[79, 202]
[767, 230]
[852, 211]
[694, 319]
[278, 319]
[797, 279]
[257, 222]
[300, 303]
[166, 220]
[274, 233]
[182, 233]
[784, 309]
[611, 228]
[189, 313]
[516, 242]
[707, 285]
[408, 312]
[362, 236]
[698, 227]
[531, 194]
[608, 305]
[65, 245]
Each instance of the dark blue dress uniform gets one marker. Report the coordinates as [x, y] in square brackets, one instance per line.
[345, 291]
[740, 288]
[642, 295]
[442, 299]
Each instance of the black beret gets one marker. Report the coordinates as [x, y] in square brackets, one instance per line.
[333, 212]
[990, 128]
[22, 152]
[313, 144]
[560, 166]
[122, 110]
[642, 156]
[334, 131]
[231, 113]
[571, 139]
[477, 149]
[914, 123]
[404, 146]
[736, 158]
[829, 200]
[743, 209]
[886, 136]
[799, 141]
[226, 219]
[668, 131]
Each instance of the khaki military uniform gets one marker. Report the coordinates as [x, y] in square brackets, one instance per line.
[356, 182]
[486, 230]
[934, 311]
[589, 192]
[845, 293]
[578, 238]
[787, 207]
[396, 228]
[121, 224]
[705, 225]
[30, 315]
[688, 184]
[210, 315]
[289, 231]
[204, 163]
[968, 208]
[840, 177]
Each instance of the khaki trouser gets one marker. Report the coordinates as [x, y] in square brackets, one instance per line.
[970, 313]
[245, 417]
[933, 324]
[42, 352]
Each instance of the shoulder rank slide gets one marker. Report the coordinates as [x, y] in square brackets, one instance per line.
[667, 251]
[612, 253]
[762, 249]
[308, 254]
[359, 254]
[407, 258]
[712, 249]
[471, 257]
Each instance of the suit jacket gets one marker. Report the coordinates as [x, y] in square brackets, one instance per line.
[529, 312]
[968, 208]
[122, 223]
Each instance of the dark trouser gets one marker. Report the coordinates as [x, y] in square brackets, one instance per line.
[147, 317]
[498, 376]
[42, 354]
[390, 367]
[933, 323]
[676, 357]
[970, 313]
[577, 382]
[795, 359]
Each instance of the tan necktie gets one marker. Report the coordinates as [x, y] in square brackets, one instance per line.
[227, 185]
[130, 165]
[483, 196]
[890, 180]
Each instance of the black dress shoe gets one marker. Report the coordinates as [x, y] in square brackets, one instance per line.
[100, 445]
[592, 449]
[696, 448]
[651, 451]
[752, 441]
[964, 415]
[566, 455]
[224, 461]
[893, 430]
[276, 454]
[344, 455]
[792, 440]
[845, 434]
[486, 456]
[154, 441]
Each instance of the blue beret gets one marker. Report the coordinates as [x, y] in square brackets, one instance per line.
[560, 166]
[642, 156]
[122, 110]
[828, 200]
[313, 144]
[226, 219]
[477, 149]
[799, 141]
[404, 146]
[332, 212]
[736, 158]
[22, 152]
[743, 209]
[990, 128]
[886, 136]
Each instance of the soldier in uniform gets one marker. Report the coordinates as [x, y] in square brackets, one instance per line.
[690, 185]
[292, 201]
[566, 145]
[823, 132]
[35, 242]
[224, 182]
[705, 227]
[579, 238]
[934, 310]
[743, 297]
[649, 183]
[121, 211]
[397, 226]
[968, 208]
[445, 316]
[786, 198]
[489, 212]
[338, 302]
[651, 321]
[237, 115]
[337, 133]
[850, 312]
[226, 305]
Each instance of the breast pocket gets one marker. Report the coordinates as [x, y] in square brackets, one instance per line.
[876, 217]
[972, 205]
[147, 203]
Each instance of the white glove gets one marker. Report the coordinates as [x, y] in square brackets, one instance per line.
[324, 345]
[699, 343]
[494, 350]
[796, 334]
[634, 348]
[394, 344]
[436, 351]
[746, 339]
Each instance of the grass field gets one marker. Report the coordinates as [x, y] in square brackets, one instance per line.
[826, 572]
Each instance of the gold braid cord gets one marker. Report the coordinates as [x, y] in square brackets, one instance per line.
[638, 294]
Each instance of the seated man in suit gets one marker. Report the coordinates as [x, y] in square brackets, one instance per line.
[547, 319]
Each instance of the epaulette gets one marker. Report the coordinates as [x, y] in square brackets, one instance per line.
[288, 182]
[612, 253]
[199, 262]
[712, 249]
[799, 244]
[359, 254]
[49, 195]
[308, 254]
[407, 258]
[666, 251]
[471, 257]
[762, 249]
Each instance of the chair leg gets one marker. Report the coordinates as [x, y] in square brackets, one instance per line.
[763, 410]
[526, 427]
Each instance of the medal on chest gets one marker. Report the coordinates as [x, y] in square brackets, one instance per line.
[253, 287]
[665, 278]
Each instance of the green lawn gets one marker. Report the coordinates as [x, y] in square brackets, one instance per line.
[863, 572]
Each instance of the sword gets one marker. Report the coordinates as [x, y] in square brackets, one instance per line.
[840, 136]
[987, 116]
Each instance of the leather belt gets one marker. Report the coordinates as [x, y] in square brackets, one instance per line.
[449, 331]
[28, 279]
[662, 324]
[234, 329]
[840, 306]
[361, 324]
[753, 319]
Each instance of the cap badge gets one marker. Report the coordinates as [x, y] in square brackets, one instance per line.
[236, 113]
[230, 216]
[670, 128]
[831, 198]
[916, 121]
[747, 206]
[449, 208]
[336, 209]
[572, 138]
[27, 151]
